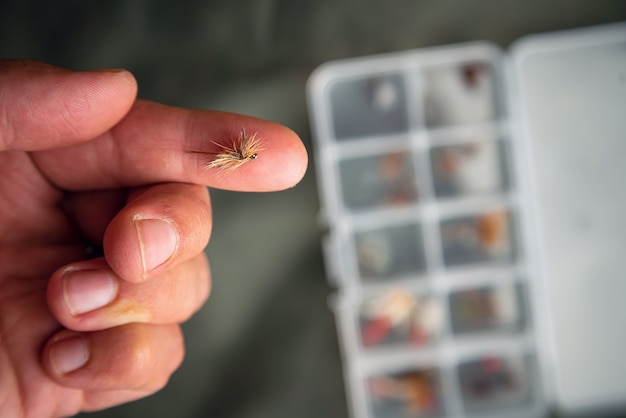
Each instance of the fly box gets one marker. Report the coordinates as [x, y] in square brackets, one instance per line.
[475, 201]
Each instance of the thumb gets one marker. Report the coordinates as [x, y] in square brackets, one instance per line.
[43, 107]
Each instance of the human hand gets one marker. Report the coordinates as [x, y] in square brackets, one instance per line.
[82, 162]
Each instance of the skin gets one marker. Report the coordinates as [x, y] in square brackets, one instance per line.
[83, 162]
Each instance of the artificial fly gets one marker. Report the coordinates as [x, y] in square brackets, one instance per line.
[244, 149]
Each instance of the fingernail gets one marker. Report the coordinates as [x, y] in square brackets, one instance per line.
[88, 290]
[69, 354]
[157, 242]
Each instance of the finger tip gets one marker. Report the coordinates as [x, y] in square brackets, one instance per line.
[67, 352]
[297, 161]
[113, 93]
[286, 162]
[49, 107]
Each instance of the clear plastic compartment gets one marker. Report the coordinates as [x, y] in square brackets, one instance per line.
[414, 392]
[482, 238]
[400, 318]
[488, 308]
[390, 252]
[378, 181]
[365, 106]
[492, 383]
[471, 168]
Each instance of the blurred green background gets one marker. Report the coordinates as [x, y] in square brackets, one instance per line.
[265, 344]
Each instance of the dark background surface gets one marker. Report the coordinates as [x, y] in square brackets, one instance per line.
[265, 344]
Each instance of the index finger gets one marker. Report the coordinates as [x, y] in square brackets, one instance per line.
[156, 143]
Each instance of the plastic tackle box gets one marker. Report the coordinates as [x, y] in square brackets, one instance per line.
[475, 201]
